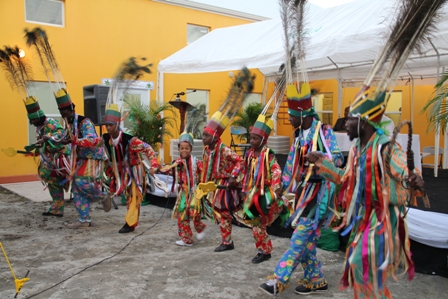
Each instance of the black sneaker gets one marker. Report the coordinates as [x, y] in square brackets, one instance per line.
[51, 214]
[304, 290]
[270, 287]
[261, 257]
[224, 247]
[126, 229]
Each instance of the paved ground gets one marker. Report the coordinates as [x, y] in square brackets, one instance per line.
[100, 263]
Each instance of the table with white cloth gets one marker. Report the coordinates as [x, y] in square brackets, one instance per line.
[344, 144]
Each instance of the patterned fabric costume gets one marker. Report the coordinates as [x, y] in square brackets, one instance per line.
[127, 171]
[220, 164]
[372, 182]
[53, 163]
[87, 159]
[260, 205]
[313, 196]
[372, 195]
[187, 174]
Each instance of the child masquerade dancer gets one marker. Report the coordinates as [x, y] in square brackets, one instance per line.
[187, 171]
[53, 167]
[313, 194]
[221, 164]
[376, 182]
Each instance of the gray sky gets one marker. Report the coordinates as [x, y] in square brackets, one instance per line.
[265, 8]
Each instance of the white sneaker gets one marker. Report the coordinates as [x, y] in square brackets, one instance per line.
[182, 243]
[200, 236]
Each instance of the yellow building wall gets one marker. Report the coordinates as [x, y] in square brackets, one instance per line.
[98, 36]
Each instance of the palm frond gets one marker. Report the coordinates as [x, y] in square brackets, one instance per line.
[247, 117]
[148, 124]
[437, 107]
[196, 120]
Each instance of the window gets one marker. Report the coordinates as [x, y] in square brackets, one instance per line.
[252, 98]
[133, 94]
[44, 93]
[195, 32]
[196, 119]
[323, 105]
[49, 12]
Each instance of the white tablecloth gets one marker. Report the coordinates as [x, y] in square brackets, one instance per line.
[344, 144]
[428, 227]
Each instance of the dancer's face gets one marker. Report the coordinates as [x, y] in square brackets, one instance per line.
[37, 121]
[112, 129]
[351, 126]
[296, 121]
[68, 114]
[255, 141]
[207, 138]
[184, 150]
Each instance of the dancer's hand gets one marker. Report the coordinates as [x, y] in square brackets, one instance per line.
[313, 157]
[415, 181]
[279, 193]
[232, 183]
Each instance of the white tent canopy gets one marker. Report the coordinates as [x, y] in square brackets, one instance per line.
[343, 42]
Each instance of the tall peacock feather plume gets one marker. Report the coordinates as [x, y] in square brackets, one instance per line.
[414, 24]
[19, 74]
[241, 86]
[38, 38]
[128, 72]
[293, 13]
[17, 70]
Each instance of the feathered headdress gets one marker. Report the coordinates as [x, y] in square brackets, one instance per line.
[414, 22]
[38, 38]
[19, 75]
[127, 74]
[242, 85]
[293, 20]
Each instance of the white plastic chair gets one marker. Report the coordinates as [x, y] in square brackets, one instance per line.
[237, 134]
[428, 151]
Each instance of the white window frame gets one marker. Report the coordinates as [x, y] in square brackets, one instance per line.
[62, 11]
[144, 98]
[198, 26]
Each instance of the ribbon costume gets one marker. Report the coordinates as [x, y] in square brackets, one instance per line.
[221, 164]
[262, 178]
[53, 164]
[187, 173]
[130, 159]
[86, 153]
[375, 185]
[312, 194]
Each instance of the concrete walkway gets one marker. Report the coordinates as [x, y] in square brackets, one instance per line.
[34, 191]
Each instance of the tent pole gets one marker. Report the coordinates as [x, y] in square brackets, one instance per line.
[339, 87]
[445, 142]
[437, 136]
[159, 98]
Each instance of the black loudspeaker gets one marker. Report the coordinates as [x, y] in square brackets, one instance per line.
[95, 97]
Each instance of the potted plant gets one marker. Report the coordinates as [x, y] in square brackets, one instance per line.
[247, 117]
[147, 123]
